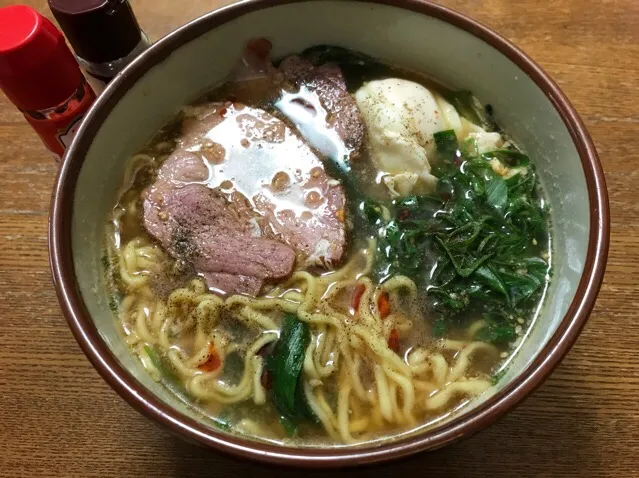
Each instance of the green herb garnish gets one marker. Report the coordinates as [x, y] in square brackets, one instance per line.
[167, 374]
[285, 366]
[496, 378]
[470, 108]
[447, 144]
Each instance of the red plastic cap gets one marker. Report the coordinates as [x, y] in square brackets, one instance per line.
[37, 69]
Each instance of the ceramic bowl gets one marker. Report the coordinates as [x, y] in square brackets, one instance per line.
[450, 47]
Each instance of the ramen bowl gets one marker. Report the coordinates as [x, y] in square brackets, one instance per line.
[419, 36]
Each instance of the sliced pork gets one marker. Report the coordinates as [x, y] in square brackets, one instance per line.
[257, 78]
[242, 198]
[328, 84]
[194, 224]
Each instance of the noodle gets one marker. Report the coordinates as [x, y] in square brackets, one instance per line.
[400, 389]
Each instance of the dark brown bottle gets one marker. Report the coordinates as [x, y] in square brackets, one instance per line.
[104, 34]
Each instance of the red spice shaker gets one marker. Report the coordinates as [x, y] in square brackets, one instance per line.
[40, 75]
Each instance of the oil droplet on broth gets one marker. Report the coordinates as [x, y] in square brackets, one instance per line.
[314, 199]
[212, 152]
[280, 181]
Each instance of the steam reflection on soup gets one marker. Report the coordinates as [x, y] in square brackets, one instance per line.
[328, 249]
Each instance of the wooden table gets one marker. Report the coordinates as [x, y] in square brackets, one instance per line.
[58, 418]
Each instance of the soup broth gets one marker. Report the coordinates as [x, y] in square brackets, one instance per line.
[328, 249]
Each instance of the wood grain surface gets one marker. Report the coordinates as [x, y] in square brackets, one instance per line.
[58, 418]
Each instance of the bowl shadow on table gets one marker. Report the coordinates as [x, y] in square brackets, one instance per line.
[543, 430]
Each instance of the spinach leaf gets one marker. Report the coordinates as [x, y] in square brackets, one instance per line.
[285, 366]
[447, 144]
[223, 421]
[496, 378]
[167, 373]
[465, 262]
[440, 327]
[371, 211]
[468, 107]
[510, 157]
[497, 192]
[520, 287]
[486, 275]
[497, 331]
[450, 300]
[496, 334]
[469, 148]
[289, 426]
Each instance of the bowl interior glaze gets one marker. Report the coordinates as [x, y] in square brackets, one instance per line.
[187, 63]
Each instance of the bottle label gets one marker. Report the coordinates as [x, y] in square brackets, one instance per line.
[66, 135]
[58, 125]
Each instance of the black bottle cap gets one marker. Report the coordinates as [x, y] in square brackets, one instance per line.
[99, 31]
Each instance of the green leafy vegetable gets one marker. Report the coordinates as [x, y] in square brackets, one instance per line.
[468, 107]
[510, 157]
[155, 358]
[440, 327]
[289, 426]
[496, 378]
[489, 277]
[475, 244]
[167, 374]
[521, 286]
[223, 422]
[497, 331]
[371, 211]
[465, 262]
[469, 148]
[285, 366]
[497, 192]
[447, 144]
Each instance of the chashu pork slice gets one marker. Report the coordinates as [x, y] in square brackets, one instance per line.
[243, 198]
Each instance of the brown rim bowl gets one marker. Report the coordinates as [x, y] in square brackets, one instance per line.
[454, 49]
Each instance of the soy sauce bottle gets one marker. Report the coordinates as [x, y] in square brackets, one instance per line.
[104, 34]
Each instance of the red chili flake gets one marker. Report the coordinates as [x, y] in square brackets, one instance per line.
[213, 362]
[264, 351]
[404, 214]
[358, 292]
[383, 305]
[223, 112]
[266, 379]
[393, 341]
